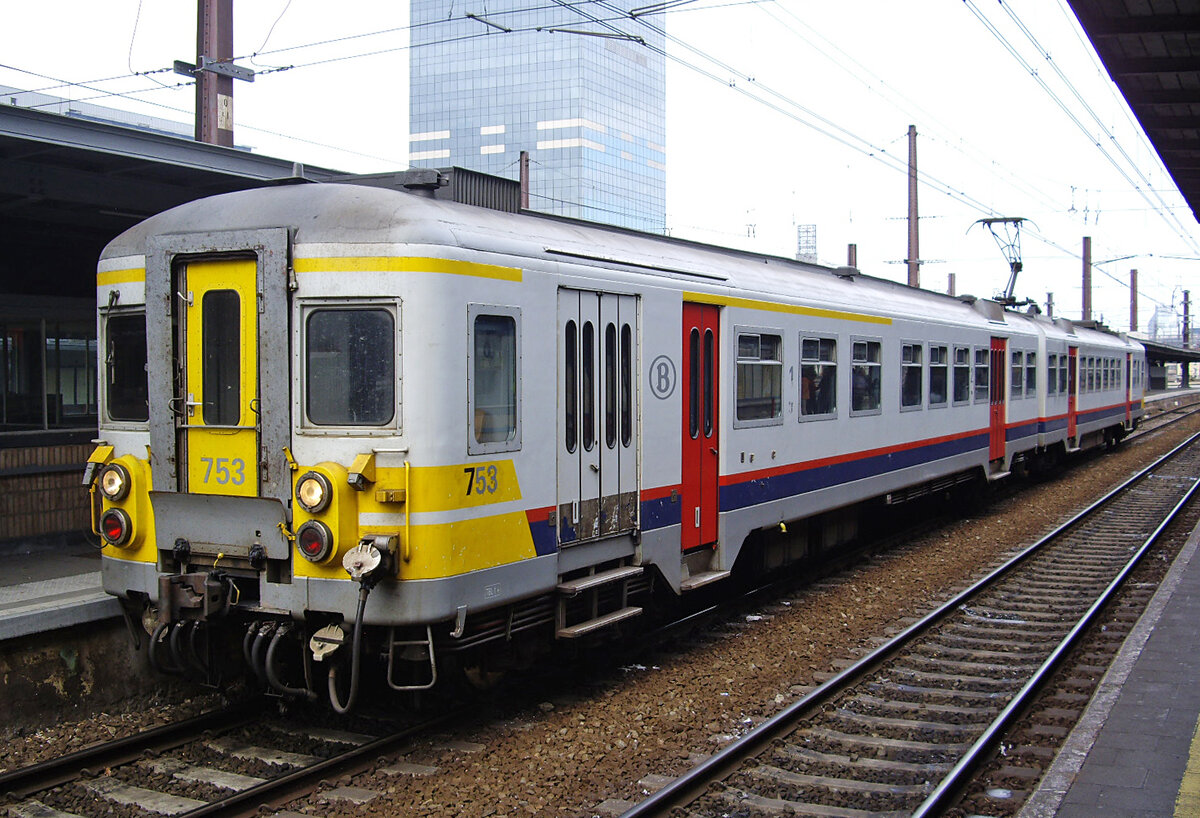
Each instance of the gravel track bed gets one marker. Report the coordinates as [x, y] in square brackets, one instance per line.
[597, 736]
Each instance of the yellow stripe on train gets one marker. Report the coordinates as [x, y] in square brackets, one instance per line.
[450, 549]
[135, 274]
[403, 264]
[449, 546]
[776, 306]
[446, 488]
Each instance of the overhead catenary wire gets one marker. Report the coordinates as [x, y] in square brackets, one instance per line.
[1148, 188]
[604, 15]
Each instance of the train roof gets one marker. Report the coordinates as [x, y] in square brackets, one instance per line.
[356, 214]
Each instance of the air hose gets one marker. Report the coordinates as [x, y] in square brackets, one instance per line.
[273, 676]
[364, 590]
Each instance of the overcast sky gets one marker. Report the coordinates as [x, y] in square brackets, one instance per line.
[778, 114]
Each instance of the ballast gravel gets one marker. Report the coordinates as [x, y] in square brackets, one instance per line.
[616, 735]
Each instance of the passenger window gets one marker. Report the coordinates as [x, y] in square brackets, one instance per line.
[494, 381]
[1030, 374]
[350, 367]
[911, 375]
[818, 378]
[127, 392]
[982, 373]
[962, 374]
[759, 377]
[1051, 374]
[865, 367]
[1018, 373]
[938, 375]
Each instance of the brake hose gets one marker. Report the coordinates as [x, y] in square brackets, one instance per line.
[355, 654]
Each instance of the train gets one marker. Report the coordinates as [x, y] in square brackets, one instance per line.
[363, 431]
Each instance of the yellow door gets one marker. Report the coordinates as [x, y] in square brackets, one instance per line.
[219, 427]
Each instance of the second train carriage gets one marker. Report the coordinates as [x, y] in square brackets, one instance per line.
[343, 414]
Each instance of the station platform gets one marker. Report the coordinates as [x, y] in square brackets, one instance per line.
[45, 586]
[1135, 753]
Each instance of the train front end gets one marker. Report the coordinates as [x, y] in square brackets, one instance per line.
[216, 536]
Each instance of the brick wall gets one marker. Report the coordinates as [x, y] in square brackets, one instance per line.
[40, 491]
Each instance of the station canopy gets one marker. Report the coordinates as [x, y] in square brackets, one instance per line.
[68, 185]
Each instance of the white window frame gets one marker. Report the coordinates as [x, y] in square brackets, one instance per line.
[304, 308]
[738, 332]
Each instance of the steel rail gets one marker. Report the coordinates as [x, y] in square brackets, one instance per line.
[692, 783]
[960, 775]
[1181, 413]
[276, 792]
[25, 781]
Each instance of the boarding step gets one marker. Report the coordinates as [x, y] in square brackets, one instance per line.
[573, 631]
[574, 587]
[703, 578]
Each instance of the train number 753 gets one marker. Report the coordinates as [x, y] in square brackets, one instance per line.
[228, 471]
[481, 480]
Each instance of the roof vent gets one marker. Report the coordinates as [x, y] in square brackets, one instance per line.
[423, 179]
[846, 272]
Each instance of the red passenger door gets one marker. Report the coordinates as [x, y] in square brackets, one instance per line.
[996, 394]
[1072, 389]
[699, 496]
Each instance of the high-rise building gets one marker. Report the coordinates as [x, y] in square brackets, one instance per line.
[581, 87]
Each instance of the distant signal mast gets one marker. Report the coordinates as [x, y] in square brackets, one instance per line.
[1006, 230]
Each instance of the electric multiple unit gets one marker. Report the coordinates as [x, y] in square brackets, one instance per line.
[368, 430]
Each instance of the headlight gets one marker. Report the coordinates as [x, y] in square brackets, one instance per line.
[314, 541]
[114, 526]
[313, 492]
[114, 481]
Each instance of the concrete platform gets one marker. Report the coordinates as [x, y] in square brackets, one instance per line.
[1135, 753]
[51, 585]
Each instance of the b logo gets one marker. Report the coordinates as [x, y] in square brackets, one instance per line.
[662, 377]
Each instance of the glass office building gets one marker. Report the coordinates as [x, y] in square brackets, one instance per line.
[490, 80]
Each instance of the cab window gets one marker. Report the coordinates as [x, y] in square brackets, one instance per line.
[350, 367]
[126, 394]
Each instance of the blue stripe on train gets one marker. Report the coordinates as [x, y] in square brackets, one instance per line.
[765, 489]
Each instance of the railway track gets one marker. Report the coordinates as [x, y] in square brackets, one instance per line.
[1164, 419]
[226, 763]
[902, 730]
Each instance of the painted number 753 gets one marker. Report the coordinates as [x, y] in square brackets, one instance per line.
[226, 470]
[481, 480]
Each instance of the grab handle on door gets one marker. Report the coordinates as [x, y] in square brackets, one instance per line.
[173, 405]
[712, 449]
